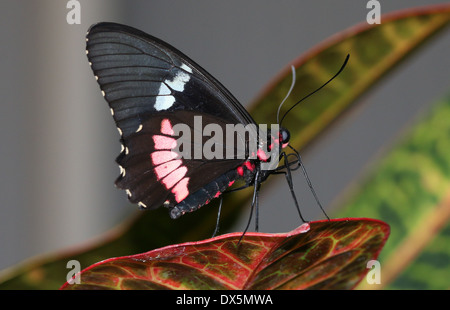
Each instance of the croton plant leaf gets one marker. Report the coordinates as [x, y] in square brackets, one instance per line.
[317, 255]
[411, 191]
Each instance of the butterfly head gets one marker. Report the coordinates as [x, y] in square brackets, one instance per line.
[279, 137]
[284, 137]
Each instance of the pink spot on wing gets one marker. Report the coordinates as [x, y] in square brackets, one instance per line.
[284, 145]
[164, 169]
[166, 127]
[174, 177]
[217, 194]
[164, 143]
[180, 190]
[230, 183]
[160, 157]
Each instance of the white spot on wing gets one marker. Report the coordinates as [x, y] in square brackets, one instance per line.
[140, 203]
[164, 102]
[179, 81]
[164, 90]
[122, 171]
[128, 192]
[139, 128]
[112, 111]
[103, 93]
[184, 67]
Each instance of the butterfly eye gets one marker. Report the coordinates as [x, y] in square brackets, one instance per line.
[284, 136]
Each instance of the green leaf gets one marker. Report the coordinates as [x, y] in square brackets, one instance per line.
[430, 268]
[410, 189]
[319, 255]
[374, 51]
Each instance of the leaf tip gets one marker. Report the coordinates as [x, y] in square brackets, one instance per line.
[300, 230]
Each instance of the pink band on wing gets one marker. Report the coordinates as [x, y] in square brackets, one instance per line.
[164, 143]
[160, 157]
[164, 169]
[166, 127]
[181, 190]
[174, 177]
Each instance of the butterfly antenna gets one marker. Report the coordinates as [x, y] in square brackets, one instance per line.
[310, 94]
[287, 95]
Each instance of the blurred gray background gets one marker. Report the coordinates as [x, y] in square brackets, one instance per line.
[59, 142]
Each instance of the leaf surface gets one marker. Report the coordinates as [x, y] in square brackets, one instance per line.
[319, 255]
[410, 189]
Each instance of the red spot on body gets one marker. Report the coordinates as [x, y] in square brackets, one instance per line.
[164, 143]
[262, 155]
[166, 127]
[240, 170]
[250, 166]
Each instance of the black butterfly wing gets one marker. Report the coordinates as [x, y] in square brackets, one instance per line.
[146, 81]
[155, 172]
[140, 74]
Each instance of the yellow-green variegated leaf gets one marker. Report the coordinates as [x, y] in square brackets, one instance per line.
[410, 190]
[374, 51]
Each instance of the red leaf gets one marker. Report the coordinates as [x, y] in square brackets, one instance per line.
[319, 255]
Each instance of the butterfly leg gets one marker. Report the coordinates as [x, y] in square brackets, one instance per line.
[309, 181]
[288, 176]
[216, 230]
[256, 187]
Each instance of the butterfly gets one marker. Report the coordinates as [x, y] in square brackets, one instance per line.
[153, 90]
